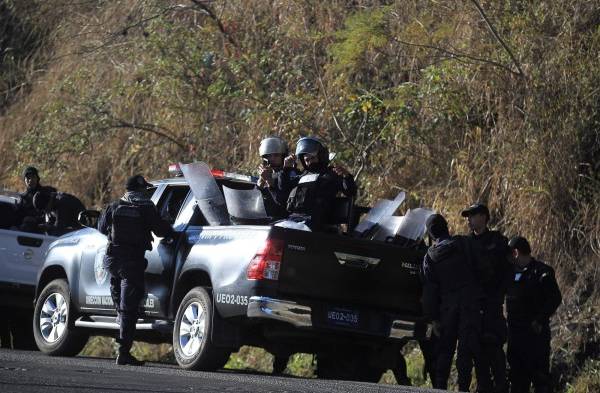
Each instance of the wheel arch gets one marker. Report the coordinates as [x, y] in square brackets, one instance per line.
[50, 273]
[188, 280]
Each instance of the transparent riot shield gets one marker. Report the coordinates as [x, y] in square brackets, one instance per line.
[207, 193]
[245, 204]
[413, 225]
[388, 228]
[383, 209]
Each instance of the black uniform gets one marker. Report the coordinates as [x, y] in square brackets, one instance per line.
[533, 295]
[128, 223]
[8, 215]
[311, 195]
[274, 198]
[491, 247]
[25, 207]
[64, 212]
[452, 295]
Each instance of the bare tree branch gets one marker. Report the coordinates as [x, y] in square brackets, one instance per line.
[459, 56]
[152, 128]
[202, 5]
[114, 122]
[495, 33]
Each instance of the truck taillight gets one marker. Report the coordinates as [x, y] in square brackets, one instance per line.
[266, 262]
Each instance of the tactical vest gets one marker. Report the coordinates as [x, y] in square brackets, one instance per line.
[128, 227]
[526, 295]
[303, 196]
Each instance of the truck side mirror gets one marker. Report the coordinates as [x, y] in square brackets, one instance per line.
[89, 218]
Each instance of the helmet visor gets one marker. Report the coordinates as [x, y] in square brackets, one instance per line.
[308, 146]
[272, 146]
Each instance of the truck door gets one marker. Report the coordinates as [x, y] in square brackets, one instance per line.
[22, 255]
[161, 259]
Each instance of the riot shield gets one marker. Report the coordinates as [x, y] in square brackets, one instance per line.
[207, 193]
[413, 225]
[245, 204]
[383, 209]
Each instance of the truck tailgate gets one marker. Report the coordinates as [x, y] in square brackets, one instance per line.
[346, 271]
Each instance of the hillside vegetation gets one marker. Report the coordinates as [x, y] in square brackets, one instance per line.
[451, 100]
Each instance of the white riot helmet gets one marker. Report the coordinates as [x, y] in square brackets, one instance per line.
[273, 145]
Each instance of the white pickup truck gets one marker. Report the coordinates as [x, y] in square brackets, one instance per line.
[21, 256]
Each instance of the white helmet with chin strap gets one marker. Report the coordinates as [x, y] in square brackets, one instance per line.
[273, 145]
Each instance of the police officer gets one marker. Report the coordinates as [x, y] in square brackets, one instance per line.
[532, 298]
[311, 194]
[273, 151]
[25, 207]
[491, 248]
[63, 210]
[452, 301]
[128, 223]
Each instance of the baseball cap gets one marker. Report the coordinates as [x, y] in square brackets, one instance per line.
[137, 182]
[476, 208]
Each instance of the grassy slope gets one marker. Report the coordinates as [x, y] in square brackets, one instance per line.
[414, 95]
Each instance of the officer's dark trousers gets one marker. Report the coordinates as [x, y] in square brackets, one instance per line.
[529, 359]
[492, 341]
[428, 349]
[460, 322]
[127, 291]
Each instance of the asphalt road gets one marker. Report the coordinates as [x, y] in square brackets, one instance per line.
[25, 372]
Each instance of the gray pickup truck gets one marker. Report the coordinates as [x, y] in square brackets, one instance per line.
[21, 256]
[229, 281]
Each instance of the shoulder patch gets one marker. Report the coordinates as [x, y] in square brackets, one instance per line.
[309, 178]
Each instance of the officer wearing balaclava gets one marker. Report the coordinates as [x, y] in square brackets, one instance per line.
[452, 297]
[26, 210]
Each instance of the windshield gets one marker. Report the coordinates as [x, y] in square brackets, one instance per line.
[207, 192]
[246, 204]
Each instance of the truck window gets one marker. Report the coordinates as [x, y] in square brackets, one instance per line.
[171, 201]
[190, 214]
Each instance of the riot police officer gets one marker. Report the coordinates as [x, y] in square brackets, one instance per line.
[128, 223]
[273, 151]
[452, 297]
[532, 298]
[491, 248]
[63, 209]
[312, 193]
[25, 207]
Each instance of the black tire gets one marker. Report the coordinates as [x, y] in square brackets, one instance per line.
[192, 334]
[5, 336]
[22, 332]
[58, 337]
[280, 363]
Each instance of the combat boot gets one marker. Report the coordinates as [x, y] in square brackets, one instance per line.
[126, 358]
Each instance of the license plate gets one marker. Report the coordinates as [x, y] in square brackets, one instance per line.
[343, 317]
